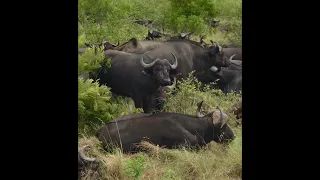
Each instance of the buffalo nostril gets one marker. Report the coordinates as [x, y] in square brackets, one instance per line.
[167, 81]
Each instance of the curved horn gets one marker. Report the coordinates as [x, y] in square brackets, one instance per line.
[118, 43]
[83, 157]
[223, 122]
[174, 84]
[230, 59]
[113, 44]
[199, 115]
[236, 62]
[175, 65]
[143, 64]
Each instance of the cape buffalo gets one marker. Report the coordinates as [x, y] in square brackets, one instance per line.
[107, 45]
[192, 56]
[231, 51]
[229, 79]
[153, 34]
[82, 159]
[166, 129]
[130, 76]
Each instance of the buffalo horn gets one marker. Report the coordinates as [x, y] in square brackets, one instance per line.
[147, 65]
[83, 157]
[232, 57]
[223, 122]
[199, 115]
[175, 65]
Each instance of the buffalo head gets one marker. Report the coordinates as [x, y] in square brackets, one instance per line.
[222, 131]
[159, 69]
[152, 34]
[217, 55]
[82, 159]
[107, 45]
[217, 70]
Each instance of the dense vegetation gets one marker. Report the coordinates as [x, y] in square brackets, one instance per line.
[113, 20]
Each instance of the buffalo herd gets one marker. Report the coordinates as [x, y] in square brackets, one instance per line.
[141, 68]
[144, 69]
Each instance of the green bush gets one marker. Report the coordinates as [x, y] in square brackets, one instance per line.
[95, 105]
[89, 61]
[134, 167]
[189, 94]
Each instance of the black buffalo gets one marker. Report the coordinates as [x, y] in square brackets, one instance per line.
[130, 76]
[107, 45]
[83, 161]
[228, 79]
[233, 51]
[192, 56]
[153, 34]
[166, 129]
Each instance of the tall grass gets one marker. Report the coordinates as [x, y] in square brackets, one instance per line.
[112, 20]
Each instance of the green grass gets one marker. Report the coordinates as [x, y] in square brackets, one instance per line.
[113, 21]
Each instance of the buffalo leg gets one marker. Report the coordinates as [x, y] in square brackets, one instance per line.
[180, 137]
[147, 103]
[137, 102]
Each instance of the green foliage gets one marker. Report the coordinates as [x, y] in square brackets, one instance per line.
[134, 167]
[81, 40]
[191, 16]
[88, 61]
[95, 105]
[189, 94]
[230, 13]
[114, 20]
[93, 101]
